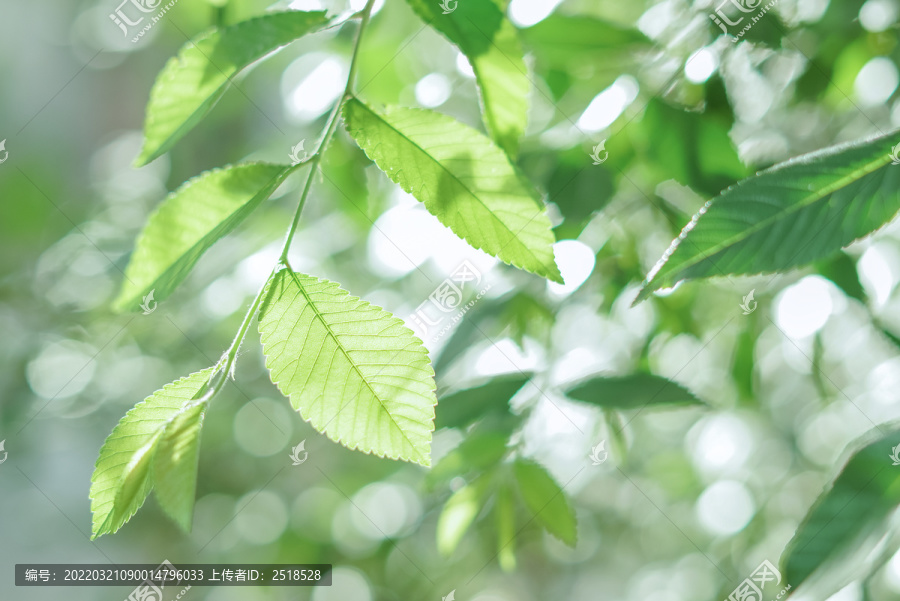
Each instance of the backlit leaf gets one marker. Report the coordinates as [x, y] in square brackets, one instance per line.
[463, 178]
[490, 42]
[123, 475]
[188, 222]
[191, 83]
[351, 369]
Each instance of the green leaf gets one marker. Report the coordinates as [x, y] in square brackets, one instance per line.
[841, 269]
[634, 391]
[477, 452]
[580, 55]
[188, 222]
[175, 465]
[123, 475]
[191, 83]
[546, 501]
[490, 42]
[463, 178]
[458, 515]
[465, 406]
[351, 369]
[560, 39]
[707, 160]
[794, 213]
[859, 500]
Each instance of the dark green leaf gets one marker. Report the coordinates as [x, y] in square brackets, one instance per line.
[632, 392]
[864, 494]
[462, 408]
[794, 213]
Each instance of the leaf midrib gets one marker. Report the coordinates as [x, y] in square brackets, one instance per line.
[816, 196]
[351, 362]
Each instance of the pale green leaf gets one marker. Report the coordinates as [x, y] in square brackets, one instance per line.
[175, 465]
[351, 369]
[191, 83]
[794, 213]
[634, 391]
[123, 474]
[463, 178]
[490, 42]
[546, 501]
[458, 515]
[188, 222]
[858, 501]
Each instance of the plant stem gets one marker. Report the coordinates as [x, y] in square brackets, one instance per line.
[329, 129]
[227, 362]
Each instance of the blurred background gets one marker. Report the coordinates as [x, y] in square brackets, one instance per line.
[690, 501]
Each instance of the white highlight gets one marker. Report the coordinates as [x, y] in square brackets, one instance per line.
[525, 13]
[606, 107]
[876, 81]
[725, 508]
[802, 309]
[701, 65]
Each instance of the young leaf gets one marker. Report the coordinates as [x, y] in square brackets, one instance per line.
[861, 498]
[123, 475]
[546, 501]
[794, 213]
[458, 514]
[191, 83]
[351, 369]
[188, 222]
[488, 39]
[463, 178]
[632, 392]
[175, 465]
[465, 406]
